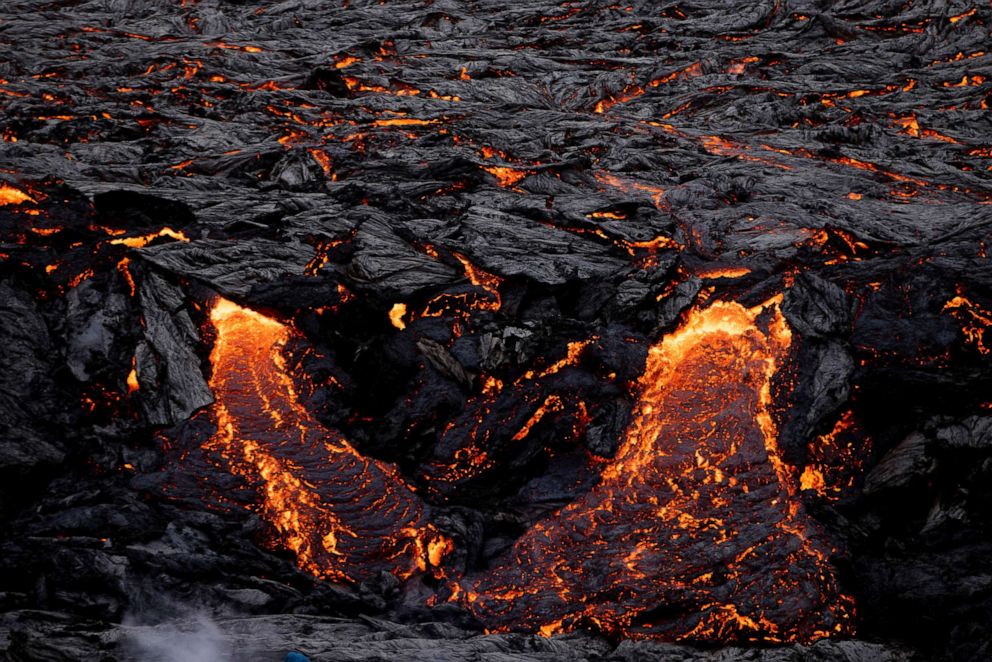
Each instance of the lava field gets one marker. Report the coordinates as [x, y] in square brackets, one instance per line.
[414, 330]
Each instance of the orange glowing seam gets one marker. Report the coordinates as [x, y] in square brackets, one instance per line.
[346, 61]
[233, 47]
[723, 147]
[85, 274]
[835, 459]
[911, 127]
[144, 240]
[974, 319]
[481, 278]
[628, 186]
[126, 273]
[403, 121]
[551, 403]
[356, 85]
[616, 216]
[634, 91]
[575, 349]
[958, 17]
[506, 177]
[812, 479]
[966, 81]
[722, 272]
[324, 161]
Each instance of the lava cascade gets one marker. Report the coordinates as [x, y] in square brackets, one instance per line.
[345, 516]
[695, 530]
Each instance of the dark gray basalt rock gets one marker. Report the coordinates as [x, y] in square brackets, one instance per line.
[41, 636]
[613, 166]
[906, 462]
[27, 402]
[168, 370]
[514, 246]
[232, 268]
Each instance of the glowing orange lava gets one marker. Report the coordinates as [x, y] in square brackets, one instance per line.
[506, 177]
[144, 240]
[132, 377]
[13, 196]
[836, 459]
[480, 278]
[974, 319]
[345, 516]
[722, 272]
[396, 314]
[695, 531]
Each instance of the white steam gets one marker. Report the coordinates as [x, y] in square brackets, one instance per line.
[160, 628]
[193, 639]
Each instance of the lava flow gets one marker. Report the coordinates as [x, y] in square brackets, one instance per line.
[345, 516]
[695, 531]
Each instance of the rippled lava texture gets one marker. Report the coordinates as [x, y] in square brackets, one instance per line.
[648, 319]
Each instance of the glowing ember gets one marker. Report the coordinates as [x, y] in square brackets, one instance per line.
[403, 121]
[485, 280]
[695, 531]
[345, 516]
[836, 459]
[132, 377]
[346, 61]
[396, 314]
[974, 320]
[723, 272]
[630, 186]
[13, 196]
[506, 177]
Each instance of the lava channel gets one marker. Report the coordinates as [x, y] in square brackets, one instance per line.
[695, 531]
[345, 516]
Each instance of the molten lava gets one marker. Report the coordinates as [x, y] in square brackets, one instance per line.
[695, 531]
[345, 516]
[396, 314]
[144, 240]
[12, 196]
[506, 177]
[974, 319]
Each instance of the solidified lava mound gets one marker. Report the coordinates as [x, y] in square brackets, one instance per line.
[562, 330]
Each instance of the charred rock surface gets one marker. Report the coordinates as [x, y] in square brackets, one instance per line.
[264, 638]
[419, 310]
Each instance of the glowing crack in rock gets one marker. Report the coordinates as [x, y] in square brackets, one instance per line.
[345, 516]
[695, 531]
